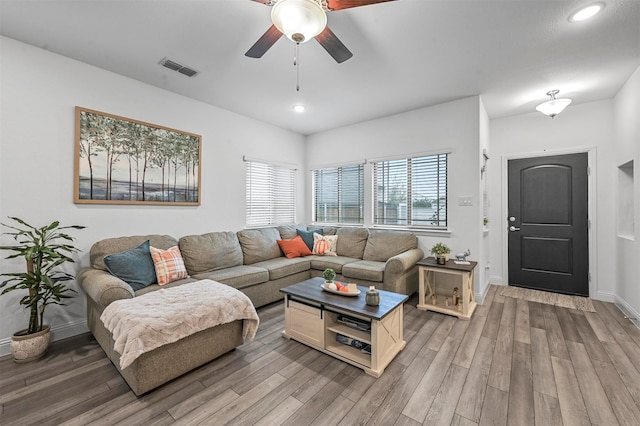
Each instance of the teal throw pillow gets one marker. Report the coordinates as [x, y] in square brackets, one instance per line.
[135, 266]
[307, 236]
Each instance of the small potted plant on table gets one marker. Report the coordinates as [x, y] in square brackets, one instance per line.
[329, 275]
[44, 249]
[440, 252]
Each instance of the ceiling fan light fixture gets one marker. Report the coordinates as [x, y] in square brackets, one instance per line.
[299, 20]
[553, 106]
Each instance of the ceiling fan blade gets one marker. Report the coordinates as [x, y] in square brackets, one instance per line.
[267, 2]
[348, 4]
[333, 45]
[264, 43]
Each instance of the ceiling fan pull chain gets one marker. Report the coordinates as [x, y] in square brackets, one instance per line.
[296, 63]
[295, 54]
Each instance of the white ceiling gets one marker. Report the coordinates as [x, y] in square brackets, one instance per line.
[407, 53]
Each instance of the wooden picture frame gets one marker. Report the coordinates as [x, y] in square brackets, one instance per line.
[123, 161]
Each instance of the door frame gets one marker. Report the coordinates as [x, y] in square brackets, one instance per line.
[591, 210]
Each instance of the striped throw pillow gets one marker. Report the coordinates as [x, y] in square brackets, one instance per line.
[169, 264]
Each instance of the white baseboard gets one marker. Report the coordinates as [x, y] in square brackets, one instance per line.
[481, 294]
[605, 296]
[57, 333]
[496, 279]
[632, 314]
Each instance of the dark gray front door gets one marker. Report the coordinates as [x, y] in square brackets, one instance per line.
[548, 223]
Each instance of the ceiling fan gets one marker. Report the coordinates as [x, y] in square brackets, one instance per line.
[302, 20]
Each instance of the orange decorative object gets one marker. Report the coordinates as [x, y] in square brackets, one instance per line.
[322, 246]
[294, 247]
[344, 288]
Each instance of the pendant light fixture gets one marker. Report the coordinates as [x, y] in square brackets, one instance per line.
[553, 106]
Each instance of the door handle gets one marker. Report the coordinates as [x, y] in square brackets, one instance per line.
[513, 228]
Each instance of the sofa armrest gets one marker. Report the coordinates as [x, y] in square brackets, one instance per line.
[403, 261]
[400, 275]
[102, 287]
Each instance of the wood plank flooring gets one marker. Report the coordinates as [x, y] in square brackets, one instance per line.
[515, 362]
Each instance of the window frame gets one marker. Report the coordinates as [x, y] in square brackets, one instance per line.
[279, 199]
[340, 191]
[411, 189]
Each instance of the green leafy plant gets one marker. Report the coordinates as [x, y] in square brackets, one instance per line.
[43, 254]
[329, 274]
[440, 249]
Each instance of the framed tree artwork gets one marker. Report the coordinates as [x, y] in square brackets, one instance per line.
[124, 161]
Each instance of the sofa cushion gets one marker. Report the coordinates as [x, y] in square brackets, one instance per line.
[294, 247]
[134, 266]
[259, 244]
[351, 242]
[169, 264]
[283, 267]
[155, 287]
[325, 231]
[210, 252]
[307, 236]
[287, 232]
[119, 244]
[325, 245]
[381, 245]
[334, 262]
[237, 276]
[368, 270]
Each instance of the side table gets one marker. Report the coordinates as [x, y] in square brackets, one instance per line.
[428, 268]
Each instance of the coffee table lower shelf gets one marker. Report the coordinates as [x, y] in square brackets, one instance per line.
[316, 325]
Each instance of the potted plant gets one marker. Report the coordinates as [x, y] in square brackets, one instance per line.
[329, 275]
[440, 252]
[44, 250]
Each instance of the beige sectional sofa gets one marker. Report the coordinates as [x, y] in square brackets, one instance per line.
[251, 261]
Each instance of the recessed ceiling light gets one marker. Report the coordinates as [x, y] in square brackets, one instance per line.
[586, 12]
[299, 108]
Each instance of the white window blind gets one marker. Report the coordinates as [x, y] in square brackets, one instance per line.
[339, 194]
[411, 192]
[270, 194]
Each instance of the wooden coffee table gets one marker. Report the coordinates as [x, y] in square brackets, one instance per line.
[315, 317]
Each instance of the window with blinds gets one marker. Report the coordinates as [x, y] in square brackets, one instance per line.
[411, 192]
[270, 194]
[339, 195]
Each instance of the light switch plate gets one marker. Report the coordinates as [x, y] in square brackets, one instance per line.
[465, 201]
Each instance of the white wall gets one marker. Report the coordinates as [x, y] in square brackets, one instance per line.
[627, 148]
[453, 125]
[39, 93]
[579, 128]
[485, 267]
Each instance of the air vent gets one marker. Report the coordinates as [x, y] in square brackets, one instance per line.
[175, 66]
[187, 71]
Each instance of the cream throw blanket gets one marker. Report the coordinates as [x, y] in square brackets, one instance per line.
[165, 316]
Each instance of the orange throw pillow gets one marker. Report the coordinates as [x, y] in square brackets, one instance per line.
[294, 247]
